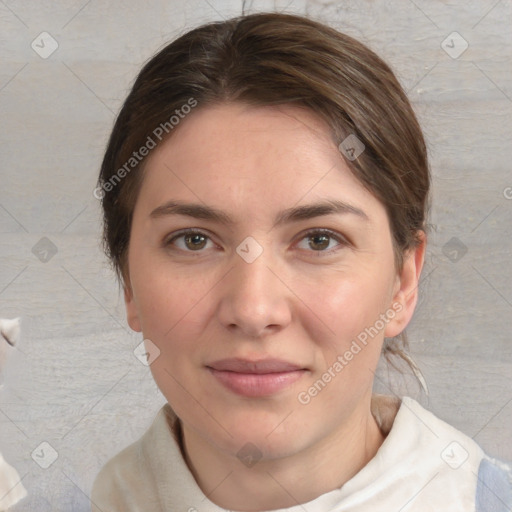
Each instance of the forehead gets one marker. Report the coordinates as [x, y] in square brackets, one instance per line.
[248, 130]
[250, 157]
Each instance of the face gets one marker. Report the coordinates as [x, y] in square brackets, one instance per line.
[257, 263]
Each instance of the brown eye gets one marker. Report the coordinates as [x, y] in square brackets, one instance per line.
[195, 241]
[188, 241]
[319, 242]
[322, 241]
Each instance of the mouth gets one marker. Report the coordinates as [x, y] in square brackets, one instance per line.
[256, 378]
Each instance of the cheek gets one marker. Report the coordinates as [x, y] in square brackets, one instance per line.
[345, 304]
[172, 312]
[166, 294]
[170, 304]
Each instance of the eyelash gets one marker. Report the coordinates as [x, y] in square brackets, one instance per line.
[342, 241]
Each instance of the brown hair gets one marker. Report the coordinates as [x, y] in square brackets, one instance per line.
[272, 59]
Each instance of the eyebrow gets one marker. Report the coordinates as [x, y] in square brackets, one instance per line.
[294, 214]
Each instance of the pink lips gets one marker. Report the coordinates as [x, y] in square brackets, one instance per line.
[256, 378]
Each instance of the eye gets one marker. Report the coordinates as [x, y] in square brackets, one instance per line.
[321, 240]
[317, 240]
[189, 241]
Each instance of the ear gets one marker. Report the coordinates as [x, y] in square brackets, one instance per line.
[132, 312]
[406, 289]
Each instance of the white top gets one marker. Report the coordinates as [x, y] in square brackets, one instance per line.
[11, 488]
[423, 465]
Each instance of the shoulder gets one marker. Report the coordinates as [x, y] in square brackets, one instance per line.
[125, 482]
[485, 481]
[127, 479]
[494, 486]
[118, 480]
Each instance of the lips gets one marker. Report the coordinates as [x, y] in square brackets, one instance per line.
[256, 378]
[257, 367]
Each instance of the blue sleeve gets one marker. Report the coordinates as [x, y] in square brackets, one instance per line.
[494, 488]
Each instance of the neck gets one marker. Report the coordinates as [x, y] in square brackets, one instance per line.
[274, 483]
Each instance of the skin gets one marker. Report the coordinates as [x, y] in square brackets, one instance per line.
[304, 300]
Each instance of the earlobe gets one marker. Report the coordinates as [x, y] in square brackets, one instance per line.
[406, 296]
[132, 314]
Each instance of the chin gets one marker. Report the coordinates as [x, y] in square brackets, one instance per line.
[265, 431]
[258, 448]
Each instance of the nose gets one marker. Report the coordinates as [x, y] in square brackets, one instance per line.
[254, 298]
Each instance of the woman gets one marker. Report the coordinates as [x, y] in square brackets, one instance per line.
[265, 191]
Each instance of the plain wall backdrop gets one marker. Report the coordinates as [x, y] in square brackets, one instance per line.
[74, 382]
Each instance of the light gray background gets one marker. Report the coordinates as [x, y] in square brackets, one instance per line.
[74, 381]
